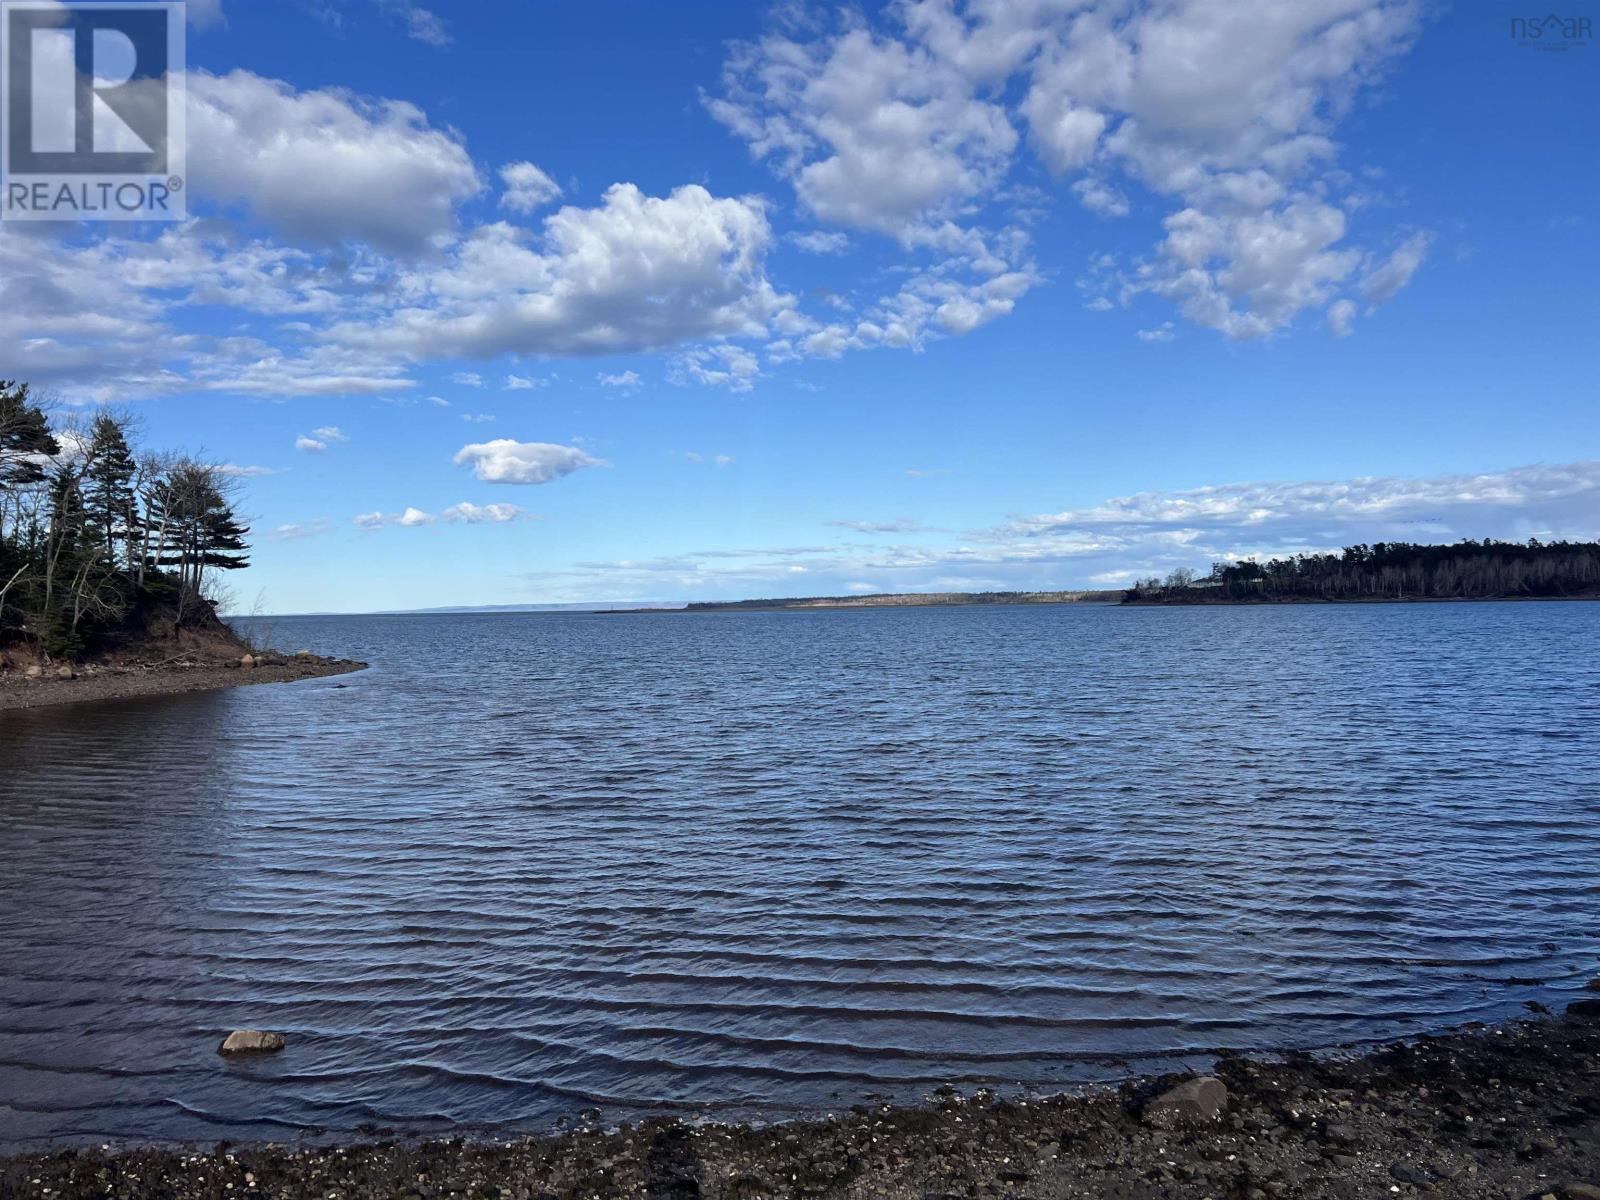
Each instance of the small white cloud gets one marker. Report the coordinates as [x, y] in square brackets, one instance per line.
[524, 383]
[1161, 333]
[1384, 281]
[237, 471]
[626, 380]
[818, 242]
[412, 517]
[1342, 317]
[467, 379]
[527, 188]
[1100, 197]
[478, 418]
[508, 461]
[310, 445]
[371, 520]
[467, 513]
[440, 401]
[329, 433]
[724, 460]
[300, 531]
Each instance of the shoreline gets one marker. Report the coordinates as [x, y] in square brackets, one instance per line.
[130, 681]
[1499, 1111]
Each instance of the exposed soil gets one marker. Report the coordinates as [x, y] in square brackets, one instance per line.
[1505, 1112]
[196, 663]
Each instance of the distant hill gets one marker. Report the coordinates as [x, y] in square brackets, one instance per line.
[907, 600]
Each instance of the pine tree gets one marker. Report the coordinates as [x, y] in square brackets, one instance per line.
[109, 504]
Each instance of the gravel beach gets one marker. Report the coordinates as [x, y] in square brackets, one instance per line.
[1507, 1112]
[122, 681]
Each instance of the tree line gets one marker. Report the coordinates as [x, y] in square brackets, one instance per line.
[1466, 570]
[97, 538]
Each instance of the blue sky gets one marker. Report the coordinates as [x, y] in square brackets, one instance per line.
[550, 302]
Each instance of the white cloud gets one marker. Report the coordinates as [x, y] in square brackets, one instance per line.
[324, 166]
[1161, 333]
[467, 379]
[330, 433]
[238, 471]
[507, 461]
[818, 241]
[478, 418]
[310, 445]
[1100, 197]
[524, 383]
[876, 133]
[899, 525]
[299, 531]
[465, 513]
[639, 272]
[527, 188]
[421, 24]
[1226, 107]
[722, 365]
[724, 460]
[625, 380]
[1341, 317]
[1382, 283]
[481, 514]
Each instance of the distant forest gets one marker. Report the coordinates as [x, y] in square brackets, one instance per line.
[1468, 570]
[100, 541]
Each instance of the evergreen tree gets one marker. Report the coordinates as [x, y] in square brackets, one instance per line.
[109, 504]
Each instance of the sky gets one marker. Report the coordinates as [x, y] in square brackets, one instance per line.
[550, 302]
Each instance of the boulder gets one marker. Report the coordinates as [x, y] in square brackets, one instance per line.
[34, 671]
[1593, 985]
[1584, 1008]
[248, 661]
[1200, 1101]
[250, 1041]
[64, 673]
[302, 654]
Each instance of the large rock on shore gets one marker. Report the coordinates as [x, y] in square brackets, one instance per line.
[250, 1041]
[1200, 1101]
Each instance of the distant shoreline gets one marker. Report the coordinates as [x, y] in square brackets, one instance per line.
[890, 600]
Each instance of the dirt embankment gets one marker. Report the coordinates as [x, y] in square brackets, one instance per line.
[1505, 1112]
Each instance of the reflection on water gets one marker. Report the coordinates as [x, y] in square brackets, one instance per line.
[766, 862]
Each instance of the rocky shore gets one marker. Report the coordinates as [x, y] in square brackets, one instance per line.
[1503, 1112]
[38, 686]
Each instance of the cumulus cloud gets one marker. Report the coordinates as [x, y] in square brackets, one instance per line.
[324, 166]
[329, 433]
[628, 381]
[310, 445]
[467, 379]
[637, 273]
[723, 365]
[524, 383]
[465, 513]
[818, 241]
[527, 188]
[508, 461]
[1225, 108]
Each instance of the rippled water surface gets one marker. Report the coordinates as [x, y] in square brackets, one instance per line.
[764, 863]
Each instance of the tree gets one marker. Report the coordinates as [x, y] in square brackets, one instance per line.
[26, 443]
[110, 506]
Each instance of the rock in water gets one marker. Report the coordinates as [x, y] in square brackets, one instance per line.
[1584, 1008]
[250, 1041]
[1201, 1101]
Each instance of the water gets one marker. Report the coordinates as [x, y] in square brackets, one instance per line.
[760, 864]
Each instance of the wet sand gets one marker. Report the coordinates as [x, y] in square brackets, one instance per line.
[122, 681]
[1505, 1111]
